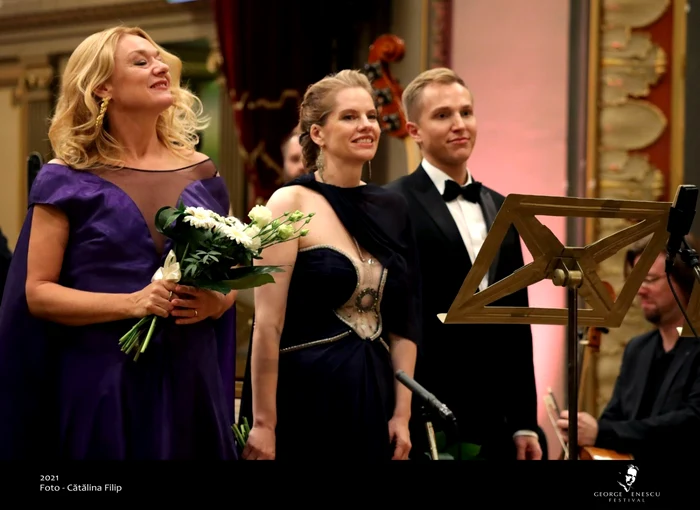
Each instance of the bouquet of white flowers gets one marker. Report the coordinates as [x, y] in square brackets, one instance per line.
[215, 252]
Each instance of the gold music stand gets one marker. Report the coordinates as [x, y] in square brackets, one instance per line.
[572, 267]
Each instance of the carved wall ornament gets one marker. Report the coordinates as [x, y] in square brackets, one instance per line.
[621, 42]
[629, 176]
[633, 13]
[630, 64]
[631, 125]
[33, 83]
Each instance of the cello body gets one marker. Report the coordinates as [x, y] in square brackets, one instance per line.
[593, 453]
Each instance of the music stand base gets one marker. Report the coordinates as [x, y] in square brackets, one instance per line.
[570, 278]
[572, 337]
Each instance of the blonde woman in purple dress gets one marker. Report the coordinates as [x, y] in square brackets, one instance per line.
[123, 134]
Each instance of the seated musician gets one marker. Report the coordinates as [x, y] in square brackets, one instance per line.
[654, 411]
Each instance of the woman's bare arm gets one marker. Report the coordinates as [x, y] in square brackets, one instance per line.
[403, 357]
[50, 301]
[270, 307]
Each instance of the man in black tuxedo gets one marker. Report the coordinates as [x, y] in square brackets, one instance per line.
[654, 411]
[483, 372]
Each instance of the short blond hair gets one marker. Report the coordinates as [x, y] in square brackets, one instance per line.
[413, 93]
[73, 134]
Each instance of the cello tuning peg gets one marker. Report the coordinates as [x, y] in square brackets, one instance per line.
[372, 71]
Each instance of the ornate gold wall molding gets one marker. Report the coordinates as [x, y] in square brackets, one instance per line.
[34, 82]
[10, 74]
[67, 12]
[35, 38]
[632, 127]
[59, 30]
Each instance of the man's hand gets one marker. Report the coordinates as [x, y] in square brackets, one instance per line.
[528, 448]
[587, 428]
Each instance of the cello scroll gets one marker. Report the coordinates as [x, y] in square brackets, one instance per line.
[385, 50]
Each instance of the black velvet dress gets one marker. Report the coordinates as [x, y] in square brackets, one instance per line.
[335, 391]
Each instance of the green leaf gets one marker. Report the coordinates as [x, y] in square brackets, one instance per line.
[226, 286]
[243, 272]
[440, 440]
[240, 278]
[469, 451]
[250, 282]
[165, 218]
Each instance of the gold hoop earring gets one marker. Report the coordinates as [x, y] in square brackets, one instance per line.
[101, 115]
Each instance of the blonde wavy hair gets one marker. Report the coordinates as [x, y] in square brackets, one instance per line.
[73, 134]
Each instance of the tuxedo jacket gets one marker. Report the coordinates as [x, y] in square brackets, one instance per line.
[483, 372]
[672, 429]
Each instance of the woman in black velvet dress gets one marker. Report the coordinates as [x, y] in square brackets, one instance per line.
[331, 332]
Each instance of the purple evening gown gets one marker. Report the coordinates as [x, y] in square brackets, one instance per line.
[69, 392]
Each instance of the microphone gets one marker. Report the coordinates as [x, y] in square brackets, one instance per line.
[680, 219]
[425, 395]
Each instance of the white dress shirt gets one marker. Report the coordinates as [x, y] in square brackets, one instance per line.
[471, 225]
[467, 215]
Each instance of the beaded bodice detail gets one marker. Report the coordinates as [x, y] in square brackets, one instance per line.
[361, 309]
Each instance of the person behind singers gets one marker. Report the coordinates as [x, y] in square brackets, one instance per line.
[654, 410]
[293, 162]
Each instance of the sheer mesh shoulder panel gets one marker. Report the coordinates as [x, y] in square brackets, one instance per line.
[152, 189]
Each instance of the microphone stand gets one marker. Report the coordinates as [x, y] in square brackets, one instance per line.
[427, 415]
[432, 443]
[438, 407]
[690, 257]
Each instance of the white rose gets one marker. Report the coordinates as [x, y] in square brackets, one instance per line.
[260, 215]
[252, 230]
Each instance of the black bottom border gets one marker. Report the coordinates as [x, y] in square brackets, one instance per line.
[550, 483]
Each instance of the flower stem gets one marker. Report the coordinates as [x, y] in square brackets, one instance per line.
[132, 330]
[150, 333]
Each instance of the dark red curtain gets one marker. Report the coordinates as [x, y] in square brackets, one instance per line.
[272, 50]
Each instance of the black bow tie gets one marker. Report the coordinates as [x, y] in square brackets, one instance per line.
[470, 192]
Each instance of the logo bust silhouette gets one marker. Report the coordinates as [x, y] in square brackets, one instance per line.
[630, 477]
